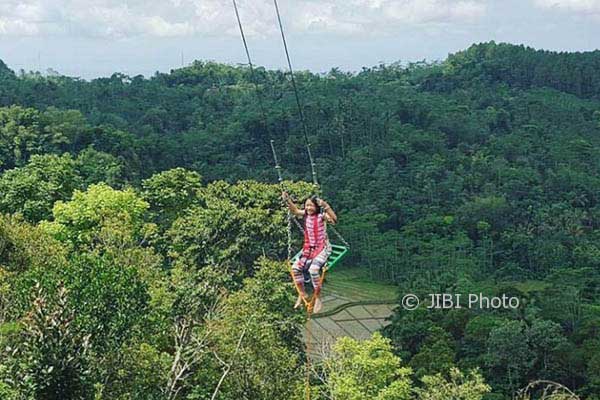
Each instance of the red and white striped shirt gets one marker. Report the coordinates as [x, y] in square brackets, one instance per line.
[315, 235]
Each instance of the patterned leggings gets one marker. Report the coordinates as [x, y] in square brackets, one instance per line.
[314, 269]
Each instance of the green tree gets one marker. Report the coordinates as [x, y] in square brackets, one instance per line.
[28, 256]
[112, 307]
[33, 189]
[170, 193]
[232, 227]
[358, 370]
[458, 387]
[65, 129]
[546, 339]
[96, 166]
[509, 356]
[101, 216]
[19, 136]
[436, 354]
[49, 358]
[251, 338]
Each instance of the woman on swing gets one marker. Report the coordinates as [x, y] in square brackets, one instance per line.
[316, 248]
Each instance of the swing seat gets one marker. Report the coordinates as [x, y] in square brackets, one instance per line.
[337, 253]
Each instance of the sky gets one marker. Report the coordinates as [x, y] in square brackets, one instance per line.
[94, 38]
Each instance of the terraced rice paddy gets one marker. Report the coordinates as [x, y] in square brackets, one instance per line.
[353, 306]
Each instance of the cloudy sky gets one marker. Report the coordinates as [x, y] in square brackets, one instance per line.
[91, 38]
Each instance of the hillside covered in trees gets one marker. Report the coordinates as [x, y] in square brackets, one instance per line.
[142, 236]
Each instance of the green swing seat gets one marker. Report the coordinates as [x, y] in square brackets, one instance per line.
[337, 253]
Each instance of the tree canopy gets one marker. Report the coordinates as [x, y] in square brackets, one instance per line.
[143, 241]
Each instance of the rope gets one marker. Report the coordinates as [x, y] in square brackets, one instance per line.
[277, 166]
[299, 225]
[264, 118]
[312, 162]
[339, 235]
[237, 15]
[307, 303]
[308, 339]
[309, 306]
[289, 213]
[252, 74]
[300, 111]
[309, 311]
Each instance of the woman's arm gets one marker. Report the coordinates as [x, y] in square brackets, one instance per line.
[293, 208]
[329, 213]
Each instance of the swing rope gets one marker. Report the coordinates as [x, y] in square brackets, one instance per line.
[302, 118]
[298, 103]
[308, 339]
[308, 303]
[309, 306]
[289, 213]
[264, 118]
[252, 74]
[309, 311]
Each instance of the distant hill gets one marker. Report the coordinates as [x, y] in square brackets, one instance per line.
[5, 72]
[521, 67]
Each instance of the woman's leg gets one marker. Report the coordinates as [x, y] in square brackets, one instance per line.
[298, 277]
[315, 269]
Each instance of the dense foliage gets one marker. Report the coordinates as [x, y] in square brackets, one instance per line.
[138, 250]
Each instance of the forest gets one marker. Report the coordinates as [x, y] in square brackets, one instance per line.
[143, 237]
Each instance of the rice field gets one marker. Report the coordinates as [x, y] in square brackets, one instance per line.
[353, 305]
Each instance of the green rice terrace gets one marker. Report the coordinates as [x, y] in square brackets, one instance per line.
[353, 305]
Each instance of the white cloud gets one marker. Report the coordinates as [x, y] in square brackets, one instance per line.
[21, 17]
[381, 16]
[15, 26]
[104, 19]
[159, 18]
[417, 11]
[578, 6]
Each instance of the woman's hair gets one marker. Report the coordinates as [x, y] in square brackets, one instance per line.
[313, 200]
